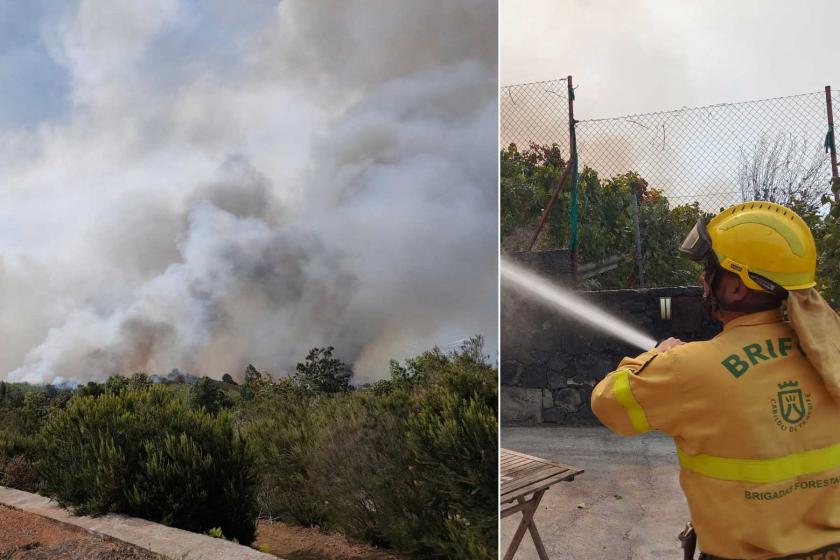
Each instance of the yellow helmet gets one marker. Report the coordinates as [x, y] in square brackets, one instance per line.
[767, 245]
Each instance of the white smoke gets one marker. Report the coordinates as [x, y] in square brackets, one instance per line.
[239, 185]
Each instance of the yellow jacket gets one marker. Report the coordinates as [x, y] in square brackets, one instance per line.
[757, 435]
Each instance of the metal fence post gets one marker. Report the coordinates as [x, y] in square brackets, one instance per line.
[573, 150]
[638, 235]
[830, 138]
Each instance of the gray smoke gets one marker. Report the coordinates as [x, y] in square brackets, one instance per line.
[239, 185]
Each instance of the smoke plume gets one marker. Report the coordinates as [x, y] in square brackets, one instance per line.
[238, 183]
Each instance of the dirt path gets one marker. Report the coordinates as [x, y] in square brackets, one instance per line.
[32, 537]
[26, 536]
[299, 543]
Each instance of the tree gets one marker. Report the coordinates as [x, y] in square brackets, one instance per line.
[207, 394]
[226, 378]
[92, 388]
[254, 381]
[322, 373]
[528, 179]
[116, 384]
[785, 171]
[34, 410]
[139, 381]
[254, 377]
[828, 249]
[605, 227]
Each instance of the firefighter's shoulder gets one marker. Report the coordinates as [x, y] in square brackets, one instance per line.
[672, 359]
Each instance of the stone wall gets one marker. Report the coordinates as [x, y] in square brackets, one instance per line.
[550, 363]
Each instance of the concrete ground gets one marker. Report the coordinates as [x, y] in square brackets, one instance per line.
[627, 504]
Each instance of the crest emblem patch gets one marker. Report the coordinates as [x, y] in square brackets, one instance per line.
[791, 407]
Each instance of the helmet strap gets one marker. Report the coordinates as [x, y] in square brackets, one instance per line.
[711, 302]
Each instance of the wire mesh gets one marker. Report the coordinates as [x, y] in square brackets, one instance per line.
[714, 156]
[535, 113]
[835, 104]
[702, 154]
[717, 155]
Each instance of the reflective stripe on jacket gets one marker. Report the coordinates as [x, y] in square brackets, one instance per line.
[757, 435]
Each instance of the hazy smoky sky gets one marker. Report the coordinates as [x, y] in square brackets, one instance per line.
[203, 185]
[634, 56]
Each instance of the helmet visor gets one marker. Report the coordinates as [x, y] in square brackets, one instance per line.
[697, 244]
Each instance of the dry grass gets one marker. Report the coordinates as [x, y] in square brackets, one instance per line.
[299, 543]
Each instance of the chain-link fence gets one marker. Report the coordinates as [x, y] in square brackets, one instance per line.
[835, 103]
[535, 113]
[714, 156]
[721, 154]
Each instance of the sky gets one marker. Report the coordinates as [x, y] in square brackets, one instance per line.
[203, 185]
[636, 56]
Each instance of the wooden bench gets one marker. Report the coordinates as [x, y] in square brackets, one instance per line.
[524, 480]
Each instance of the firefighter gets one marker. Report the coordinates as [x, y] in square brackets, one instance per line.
[755, 411]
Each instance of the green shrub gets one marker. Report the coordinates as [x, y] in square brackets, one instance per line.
[34, 411]
[208, 394]
[828, 245]
[145, 453]
[16, 461]
[280, 428]
[359, 472]
[254, 382]
[12, 444]
[139, 381]
[452, 441]
[116, 384]
[91, 388]
[605, 227]
[409, 464]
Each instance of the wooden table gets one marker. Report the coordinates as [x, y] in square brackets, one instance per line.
[523, 475]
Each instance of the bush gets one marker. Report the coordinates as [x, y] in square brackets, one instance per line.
[828, 245]
[91, 388]
[361, 466]
[12, 444]
[452, 442]
[335, 461]
[18, 472]
[605, 227]
[407, 464]
[208, 394]
[116, 384]
[254, 382]
[145, 453]
[34, 410]
[139, 381]
[280, 427]
[16, 456]
[410, 464]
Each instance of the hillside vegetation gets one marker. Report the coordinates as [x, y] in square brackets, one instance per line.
[409, 463]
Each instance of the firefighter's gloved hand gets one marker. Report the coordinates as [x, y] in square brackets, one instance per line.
[669, 343]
